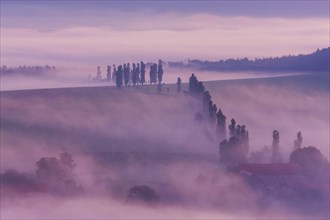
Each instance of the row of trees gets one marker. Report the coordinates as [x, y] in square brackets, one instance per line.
[125, 75]
[233, 150]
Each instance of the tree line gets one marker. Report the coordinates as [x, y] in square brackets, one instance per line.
[135, 74]
[317, 61]
[234, 149]
[26, 70]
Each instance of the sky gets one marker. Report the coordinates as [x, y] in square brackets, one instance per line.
[88, 33]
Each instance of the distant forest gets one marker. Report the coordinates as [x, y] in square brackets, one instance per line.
[26, 70]
[317, 61]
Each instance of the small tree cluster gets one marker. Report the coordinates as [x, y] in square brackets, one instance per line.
[125, 75]
[235, 150]
[195, 87]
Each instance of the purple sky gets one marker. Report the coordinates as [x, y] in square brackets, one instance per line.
[100, 32]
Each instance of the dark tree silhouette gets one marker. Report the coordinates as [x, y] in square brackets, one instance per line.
[298, 141]
[119, 77]
[143, 194]
[153, 73]
[58, 174]
[178, 85]
[212, 113]
[143, 73]
[232, 128]
[193, 84]
[206, 100]
[137, 73]
[276, 156]
[134, 74]
[126, 73]
[160, 71]
[221, 125]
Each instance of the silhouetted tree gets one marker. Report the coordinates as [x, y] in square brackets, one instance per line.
[160, 71]
[221, 125]
[298, 141]
[143, 194]
[119, 77]
[178, 85]
[143, 73]
[193, 84]
[232, 128]
[206, 101]
[154, 73]
[134, 75]
[137, 73]
[276, 156]
[126, 73]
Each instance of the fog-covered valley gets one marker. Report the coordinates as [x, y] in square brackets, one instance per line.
[121, 138]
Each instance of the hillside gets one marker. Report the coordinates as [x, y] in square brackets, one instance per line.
[123, 138]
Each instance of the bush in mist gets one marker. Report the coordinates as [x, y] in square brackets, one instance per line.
[58, 174]
[310, 159]
[142, 193]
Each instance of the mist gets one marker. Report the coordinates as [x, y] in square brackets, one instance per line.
[135, 136]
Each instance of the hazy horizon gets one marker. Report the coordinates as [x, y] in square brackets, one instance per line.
[93, 33]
